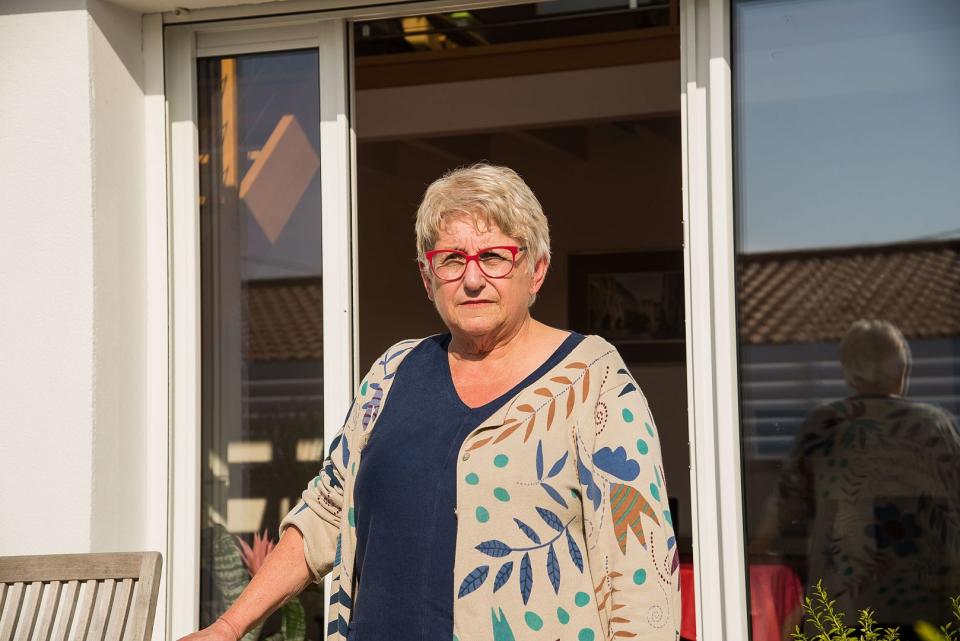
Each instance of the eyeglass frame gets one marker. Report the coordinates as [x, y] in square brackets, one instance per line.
[513, 249]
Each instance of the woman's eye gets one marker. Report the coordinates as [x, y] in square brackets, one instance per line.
[451, 259]
[491, 257]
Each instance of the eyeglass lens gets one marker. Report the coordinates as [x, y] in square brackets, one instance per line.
[495, 263]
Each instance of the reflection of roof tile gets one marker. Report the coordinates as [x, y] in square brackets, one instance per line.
[284, 320]
[814, 295]
[784, 297]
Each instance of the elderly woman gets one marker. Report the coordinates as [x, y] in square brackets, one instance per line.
[501, 481]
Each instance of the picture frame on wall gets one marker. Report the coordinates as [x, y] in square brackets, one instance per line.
[633, 299]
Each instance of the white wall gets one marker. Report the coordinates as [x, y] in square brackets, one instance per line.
[72, 278]
[119, 301]
[46, 280]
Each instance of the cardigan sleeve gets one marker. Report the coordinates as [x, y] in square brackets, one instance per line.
[317, 513]
[631, 546]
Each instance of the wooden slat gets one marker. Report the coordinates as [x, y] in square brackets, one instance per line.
[11, 611]
[118, 613]
[64, 615]
[101, 610]
[28, 612]
[67, 567]
[48, 610]
[79, 597]
[145, 602]
[81, 624]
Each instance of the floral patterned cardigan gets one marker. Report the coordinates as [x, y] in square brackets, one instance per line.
[584, 549]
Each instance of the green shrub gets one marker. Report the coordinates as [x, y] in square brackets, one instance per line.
[827, 624]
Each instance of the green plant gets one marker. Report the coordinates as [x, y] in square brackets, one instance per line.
[947, 632]
[827, 623]
[229, 571]
[234, 565]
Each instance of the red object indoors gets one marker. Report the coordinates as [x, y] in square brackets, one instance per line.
[775, 598]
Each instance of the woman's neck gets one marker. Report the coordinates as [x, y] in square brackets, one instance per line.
[492, 347]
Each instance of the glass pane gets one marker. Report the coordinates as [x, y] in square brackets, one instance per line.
[848, 250]
[262, 294]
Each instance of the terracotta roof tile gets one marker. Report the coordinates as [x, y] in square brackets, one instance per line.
[814, 295]
[284, 320]
[784, 297]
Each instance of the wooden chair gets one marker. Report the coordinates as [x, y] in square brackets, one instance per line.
[79, 597]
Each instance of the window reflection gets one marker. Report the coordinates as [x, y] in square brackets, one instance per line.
[262, 339]
[872, 482]
[847, 151]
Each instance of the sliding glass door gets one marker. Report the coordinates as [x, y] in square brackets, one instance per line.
[262, 227]
[262, 317]
[847, 156]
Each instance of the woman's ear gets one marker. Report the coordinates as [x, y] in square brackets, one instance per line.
[425, 277]
[539, 273]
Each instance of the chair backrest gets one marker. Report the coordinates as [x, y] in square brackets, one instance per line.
[79, 597]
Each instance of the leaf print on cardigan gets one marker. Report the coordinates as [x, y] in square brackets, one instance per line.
[501, 628]
[371, 409]
[617, 476]
[498, 549]
[389, 362]
[531, 412]
[555, 469]
[395, 352]
[627, 505]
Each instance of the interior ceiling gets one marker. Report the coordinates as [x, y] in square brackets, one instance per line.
[569, 142]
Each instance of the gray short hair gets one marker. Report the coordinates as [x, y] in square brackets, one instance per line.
[488, 193]
[874, 354]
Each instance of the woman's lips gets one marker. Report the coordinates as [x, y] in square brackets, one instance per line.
[477, 302]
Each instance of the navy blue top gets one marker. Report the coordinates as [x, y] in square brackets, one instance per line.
[405, 496]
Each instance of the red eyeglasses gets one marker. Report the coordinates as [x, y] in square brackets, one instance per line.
[495, 262]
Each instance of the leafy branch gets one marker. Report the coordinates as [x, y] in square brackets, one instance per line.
[827, 623]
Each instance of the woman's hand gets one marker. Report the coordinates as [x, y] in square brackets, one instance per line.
[219, 630]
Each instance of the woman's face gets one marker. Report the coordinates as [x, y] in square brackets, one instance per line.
[476, 305]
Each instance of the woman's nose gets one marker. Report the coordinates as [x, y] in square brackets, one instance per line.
[472, 276]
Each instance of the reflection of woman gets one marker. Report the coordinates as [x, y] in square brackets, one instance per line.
[502, 481]
[875, 481]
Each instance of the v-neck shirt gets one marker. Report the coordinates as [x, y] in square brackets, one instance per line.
[405, 498]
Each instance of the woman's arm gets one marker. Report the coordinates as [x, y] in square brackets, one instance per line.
[309, 534]
[283, 575]
[304, 554]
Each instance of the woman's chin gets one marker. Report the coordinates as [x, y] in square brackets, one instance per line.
[475, 324]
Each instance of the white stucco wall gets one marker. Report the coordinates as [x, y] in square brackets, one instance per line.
[72, 278]
[119, 300]
[46, 279]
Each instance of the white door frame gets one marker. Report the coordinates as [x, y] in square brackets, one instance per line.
[184, 44]
[712, 381]
[706, 120]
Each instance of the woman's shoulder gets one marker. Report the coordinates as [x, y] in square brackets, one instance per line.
[596, 350]
[384, 368]
[376, 383]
